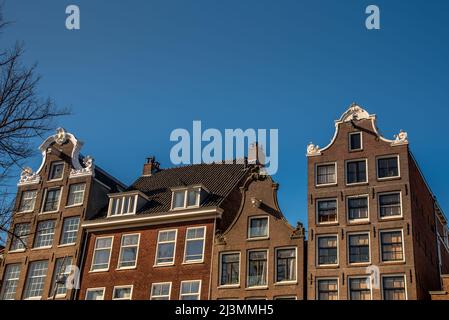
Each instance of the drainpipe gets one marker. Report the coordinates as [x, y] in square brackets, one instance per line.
[437, 242]
[212, 259]
[75, 293]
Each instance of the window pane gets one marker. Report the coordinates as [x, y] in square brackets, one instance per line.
[327, 250]
[360, 289]
[230, 268]
[192, 197]
[44, 234]
[56, 170]
[391, 243]
[122, 293]
[128, 250]
[60, 273]
[286, 265]
[393, 288]
[326, 174]
[388, 167]
[358, 208]
[258, 227]
[95, 294]
[52, 200]
[390, 205]
[160, 291]
[257, 268]
[327, 289]
[10, 282]
[28, 201]
[355, 141]
[166, 247]
[37, 273]
[327, 211]
[101, 253]
[76, 194]
[190, 290]
[358, 248]
[178, 199]
[194, 244]
[20, 237]
[70, 230]
[356, 171]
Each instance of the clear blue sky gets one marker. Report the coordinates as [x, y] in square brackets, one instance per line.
[139, 69]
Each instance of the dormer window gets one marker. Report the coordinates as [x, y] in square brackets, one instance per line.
[56, 170]
[124, 204]
[189, 197]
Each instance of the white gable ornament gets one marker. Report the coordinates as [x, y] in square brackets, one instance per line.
[27, 176]
[88, 168]
[313, 150]
[355, 112]
[400, 138]
[60, 136]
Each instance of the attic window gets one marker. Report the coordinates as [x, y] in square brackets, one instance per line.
[186, 198]
[121, 205]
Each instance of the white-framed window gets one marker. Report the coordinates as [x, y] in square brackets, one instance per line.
[70, 230]
[20, 238]
[60, 273]
[229, 268]
[391, 245]
[388, 167]
[28, 201]
[327, 250]
[194, 247]
[186, 198]
[355, 141]
[45, 233]
[390, 205]
[327, 289]
[122, 293]
[326, 211]
[56, 170]
[258, 227]
[76, 194]
[394, 287]
[166, 247]
[257, 268]
[358, 208]
[129, 250]
[52, 198]
[360, 288]
[160, 291]
[34, 286]
[10, 282]
[122, 205]
[102, 253]
[95, 294]
[285, 298]
[358, 248]
[326, 174]
[356, 171]
[190, 290]
[286, 264]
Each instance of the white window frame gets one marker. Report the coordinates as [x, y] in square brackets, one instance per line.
[187, 294]
[71, 231]
[61, 189]
[7, 280]
[317, 279]
[22, 198]
[317, 213]
[36, 237]
[163, 264]
[28, 279]
[317, 260]
[53, 164]
[123, 287]
[83, 192]
[360, 277]
[24, 239]
[160, 283]
[348, 235]
[187, 241]
[389, 276]
[366, 172]
[400, 204]
[349, 140]
[54, 277]
[316, 174]
[220, 270]
[120, 211]
[380, 246]
[102, 289]
[249, 227]
[276, 268]
[186, 195]
[247, 268]
[128, 246]
[95, 249]
[386, 157]
[355, 221]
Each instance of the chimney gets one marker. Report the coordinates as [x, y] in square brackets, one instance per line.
[150, 167]
[256, 154]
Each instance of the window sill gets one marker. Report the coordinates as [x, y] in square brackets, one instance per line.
[327, 266]
[392, 218]
[192, 262]
[359, 264]
[388, 263]
[286, 283]
[258, 238]
[389, 178]
[49, 212]
[33, 298]
[74, 205]
[56, 180]
[326, 185]
[163, 265]
[229, 286]
[17, 251]
[327, 224]
[58, 296]
[66, 245]
[357, 184]
[41, 248]
[357, 222]
[126, 268]
[99, 270]
[24, 212]
[257, 288]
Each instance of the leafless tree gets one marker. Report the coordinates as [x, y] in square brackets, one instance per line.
[24, 115]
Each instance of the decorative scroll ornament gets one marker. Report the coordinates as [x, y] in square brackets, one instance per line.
[354, 112]
[219, 238]
[60, 136]
[299, 231]
[88, 168]
[401, 137]
[313, 150]
[28, 176]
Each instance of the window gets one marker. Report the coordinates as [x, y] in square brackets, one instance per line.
[360, 288]
[230, 269]
[356, 171]
[390, 205]
[161, 291]
[102, 254]
[327, 289]
[285, 265]
[28, 201]
[194, 249]
[387, 167]
[257, 268]
[35, 281]
[52, 200]
[70, 230]
[56, 170]
[122, 205]
[393, 288]
[190, 290]
[258, 227]
[327, 211]
[285, 298]
[45, 234]
[166, 245]
[122, 293]
[76, 194]
[95, 294]
[20, 238]
[60, 274]
[327, 250]
[391, 245]
[358, 248]
[10, 282]
[358, 208]
[355, 141]
[186, 198]
[326, 174]
[129, 248]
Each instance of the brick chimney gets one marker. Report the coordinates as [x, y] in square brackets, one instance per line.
[151, 166]
[256, 154]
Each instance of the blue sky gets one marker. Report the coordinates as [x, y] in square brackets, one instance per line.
[136, 71]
